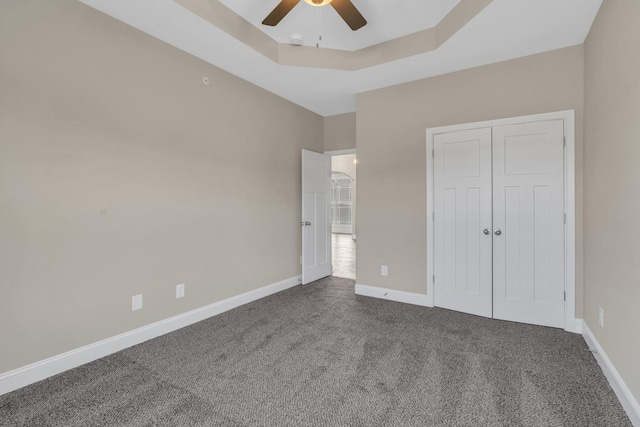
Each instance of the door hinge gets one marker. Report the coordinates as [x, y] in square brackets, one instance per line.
[564, 141]
[564, 219]
[433, 215]
[433, 153]
[565, 295]
[434, 279]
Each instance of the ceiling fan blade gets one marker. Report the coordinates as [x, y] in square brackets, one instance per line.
[280, 12]
[349, 13]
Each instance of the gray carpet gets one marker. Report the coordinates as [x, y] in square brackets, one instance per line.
[319, 355]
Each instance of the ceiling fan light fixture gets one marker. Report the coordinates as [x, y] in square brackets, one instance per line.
[318, 3]
[347, 11]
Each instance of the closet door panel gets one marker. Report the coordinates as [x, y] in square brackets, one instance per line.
[528, 221]
[462, 198]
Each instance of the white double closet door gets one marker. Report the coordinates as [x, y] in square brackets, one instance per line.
[499, 222]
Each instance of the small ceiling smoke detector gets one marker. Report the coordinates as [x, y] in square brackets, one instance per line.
[295, 40]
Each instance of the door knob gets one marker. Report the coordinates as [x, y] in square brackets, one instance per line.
[307, 223]
[487, 231]
[498, 232]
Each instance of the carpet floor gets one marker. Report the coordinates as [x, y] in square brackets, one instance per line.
[318, 355]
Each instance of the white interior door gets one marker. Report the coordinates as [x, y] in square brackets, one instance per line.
[499, 247]
[528, 214]
[316, 216]
[462, 183]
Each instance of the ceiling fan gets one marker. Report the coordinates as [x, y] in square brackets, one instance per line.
[345, 9]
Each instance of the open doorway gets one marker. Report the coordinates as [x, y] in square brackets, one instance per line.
[343, 214]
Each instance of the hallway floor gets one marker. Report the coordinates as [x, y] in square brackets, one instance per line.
[343, 248]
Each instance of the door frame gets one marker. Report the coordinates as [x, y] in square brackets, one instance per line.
[571, 324]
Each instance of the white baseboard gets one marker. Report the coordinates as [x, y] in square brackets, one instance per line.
[629, 403]
[392, 295]
[46, 368]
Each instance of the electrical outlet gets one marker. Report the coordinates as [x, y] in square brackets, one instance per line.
[384, 270]
[136, 302]
[601, 317]
[180, 290]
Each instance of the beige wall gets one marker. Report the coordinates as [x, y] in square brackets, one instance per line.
[391, 146]
[612, 185]
[122, 173]
[340, 132]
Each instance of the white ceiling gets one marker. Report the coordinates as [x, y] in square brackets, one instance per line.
[387, 20]
[504, 30]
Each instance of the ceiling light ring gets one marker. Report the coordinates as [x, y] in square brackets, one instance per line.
[318, 3]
